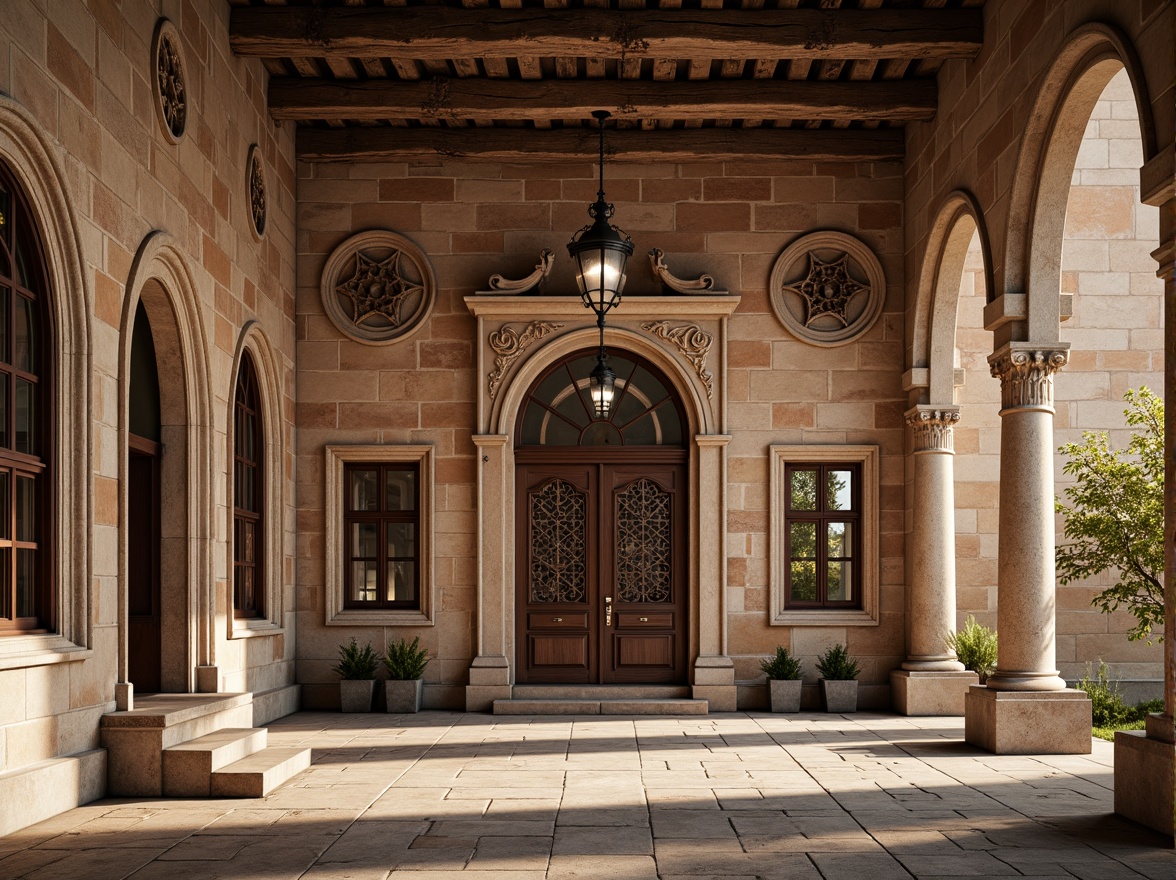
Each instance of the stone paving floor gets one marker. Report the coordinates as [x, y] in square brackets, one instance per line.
[439, 796]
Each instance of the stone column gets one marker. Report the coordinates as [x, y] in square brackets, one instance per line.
[932, 681]
[1026, 707]
[713, 677]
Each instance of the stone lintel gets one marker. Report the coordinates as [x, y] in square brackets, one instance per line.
[1144, 780]
[1028, 722]
[930, 693]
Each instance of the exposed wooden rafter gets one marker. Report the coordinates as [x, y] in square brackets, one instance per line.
[506, 145]
[440, 33]
[513, 101]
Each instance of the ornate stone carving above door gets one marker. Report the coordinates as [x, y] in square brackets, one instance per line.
[827, 288]
[377, 287]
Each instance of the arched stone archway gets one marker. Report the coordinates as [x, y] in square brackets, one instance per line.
[685, 339]
[161, 279]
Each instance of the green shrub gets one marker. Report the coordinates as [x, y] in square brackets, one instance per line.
[1107, 708]
[975, 646]
[355, 663]
[836, 665]
[782, 667]
[406, 661]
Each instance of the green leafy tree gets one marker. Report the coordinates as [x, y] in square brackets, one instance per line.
[1115, 516]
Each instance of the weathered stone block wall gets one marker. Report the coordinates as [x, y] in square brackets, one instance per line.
[475, 219]
[84, 72]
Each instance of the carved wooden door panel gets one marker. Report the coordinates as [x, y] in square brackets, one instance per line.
[643, 572]
[600, 570]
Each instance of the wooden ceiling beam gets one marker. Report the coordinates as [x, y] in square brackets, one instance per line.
[524, 145]
[441, 33]
[295, 98]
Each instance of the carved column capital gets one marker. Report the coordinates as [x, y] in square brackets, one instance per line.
[932, 427]
[1026, 373]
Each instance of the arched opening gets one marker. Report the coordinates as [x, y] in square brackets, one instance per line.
[601, 528]
[249, 541]
[27, 439]
[1116, 338]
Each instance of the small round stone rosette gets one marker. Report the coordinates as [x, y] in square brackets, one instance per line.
[827, 288]
[377, 287]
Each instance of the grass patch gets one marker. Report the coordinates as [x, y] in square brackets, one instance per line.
[1108, 733]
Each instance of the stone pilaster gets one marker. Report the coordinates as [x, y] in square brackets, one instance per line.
[1025, 707]
[932, 681]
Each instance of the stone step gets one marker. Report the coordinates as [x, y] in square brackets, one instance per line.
[260, 773]
[600, 692]
[669, 706]
[188, 767]
[136, 740]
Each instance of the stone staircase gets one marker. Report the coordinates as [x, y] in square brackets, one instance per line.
[542, 699]
[194, 745]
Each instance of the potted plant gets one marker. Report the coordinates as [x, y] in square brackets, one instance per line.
[406, 664]
[357, 667]
[839, 687]
[783, 672]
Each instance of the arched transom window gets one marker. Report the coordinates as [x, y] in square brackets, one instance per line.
[25, 442]
[645, 410]
[248, 507]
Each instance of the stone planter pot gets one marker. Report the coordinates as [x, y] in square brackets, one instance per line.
[839, 696]
[356, 696]
[784, 694]
[404, 697]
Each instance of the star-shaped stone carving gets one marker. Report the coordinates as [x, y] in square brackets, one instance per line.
[378, 288]
[827, 289]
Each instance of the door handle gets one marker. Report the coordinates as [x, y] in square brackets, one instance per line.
[608, 610]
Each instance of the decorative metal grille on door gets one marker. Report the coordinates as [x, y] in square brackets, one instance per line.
[559, 524]
[644, 544]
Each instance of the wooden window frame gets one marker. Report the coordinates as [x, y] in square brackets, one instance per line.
[382, 519]
[35, 465]
[339, 610]
[254, 515]
[864, 610]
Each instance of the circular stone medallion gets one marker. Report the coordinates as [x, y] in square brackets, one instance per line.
[255, 191]
[377, 287]
[169, 82]
[827, 288]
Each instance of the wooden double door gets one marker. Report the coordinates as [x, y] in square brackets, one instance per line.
[601, 568]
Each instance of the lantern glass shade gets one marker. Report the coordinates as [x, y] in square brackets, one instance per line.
[602, 383]
[600, 266]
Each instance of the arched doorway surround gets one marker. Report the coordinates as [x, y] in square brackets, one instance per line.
[600, 534]
[161, 279]
[932, 680]
[685, 339]
[76, 628]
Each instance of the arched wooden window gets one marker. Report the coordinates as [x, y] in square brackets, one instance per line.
[645, 410]
[26, 441]
[248, 509]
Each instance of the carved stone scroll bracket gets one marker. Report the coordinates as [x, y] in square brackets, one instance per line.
[508, 345]
[534, 281]
[1026, 374]
[933, 428]
[694, 343]
[702, 284]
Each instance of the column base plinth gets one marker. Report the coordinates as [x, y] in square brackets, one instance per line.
[720, 697]
[930, 693]
[1027, 722]
[489, 681]
[1144, 780]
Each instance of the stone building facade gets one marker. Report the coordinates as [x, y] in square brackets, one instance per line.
[1001, 297]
